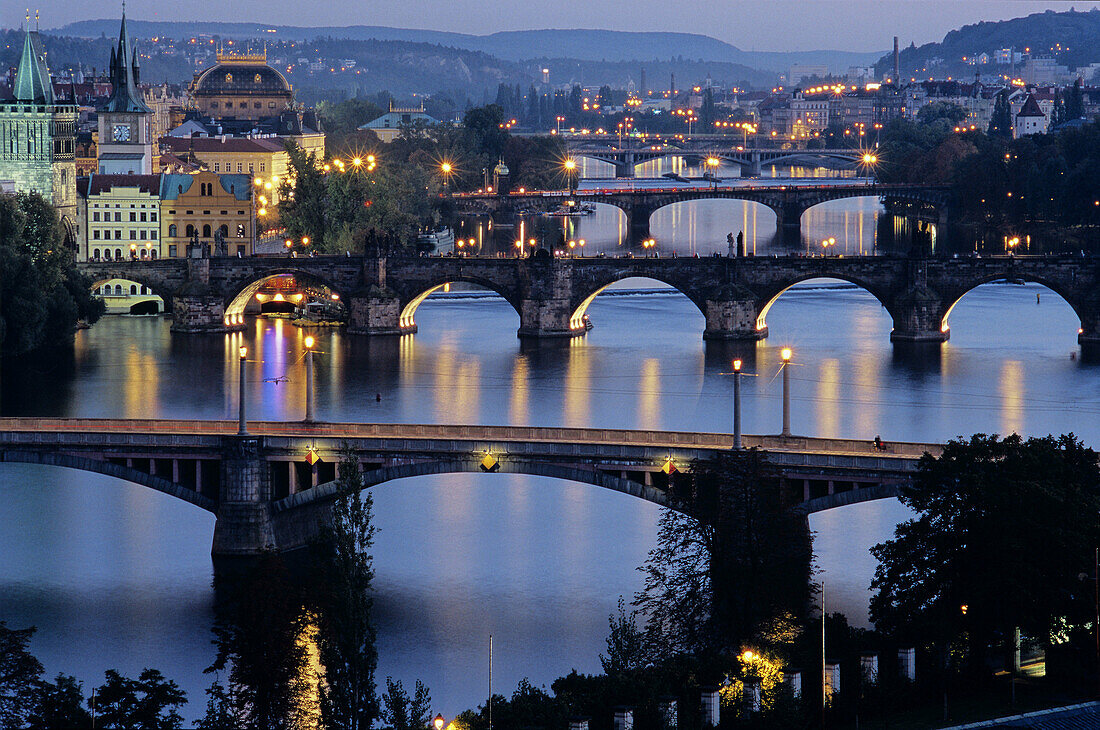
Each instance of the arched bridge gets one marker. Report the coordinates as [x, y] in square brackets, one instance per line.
[787, 201]
[266, 495]
[551, 295]
[751, 160]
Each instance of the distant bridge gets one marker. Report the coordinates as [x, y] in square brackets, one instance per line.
[787, 201]
[267, 496]
[751, 160]
[551, 295]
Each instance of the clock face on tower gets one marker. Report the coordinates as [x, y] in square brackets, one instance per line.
[121, 133]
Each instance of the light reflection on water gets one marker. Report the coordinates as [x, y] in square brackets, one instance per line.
[117, 576]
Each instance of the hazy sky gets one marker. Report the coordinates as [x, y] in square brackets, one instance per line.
[749, 24]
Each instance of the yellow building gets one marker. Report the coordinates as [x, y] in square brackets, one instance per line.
[265, 158]
[127, 297]
[120, 216]
[202, 206]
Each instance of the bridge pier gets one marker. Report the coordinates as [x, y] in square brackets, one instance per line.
[376, 313]
[202, 313]
[788, 222]
[732, 318]
[637, 224]
[755, 165]
[1090, 329]
[918, 317]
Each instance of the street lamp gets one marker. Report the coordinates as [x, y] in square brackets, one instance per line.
[713, 163]
[570, 166]
[438, 722]
[825, 243]
[309, 378]
[785, 356]
[446, 168]
[242, 429]
[737, 404]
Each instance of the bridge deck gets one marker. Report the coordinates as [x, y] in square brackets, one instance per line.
[497, 434]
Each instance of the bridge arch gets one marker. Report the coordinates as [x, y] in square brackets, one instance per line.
[330, 491]
[412, 300]
[131, 277]
[952, 300]
[580, 304]
[242, 291]
[767, 301]
[107, 468]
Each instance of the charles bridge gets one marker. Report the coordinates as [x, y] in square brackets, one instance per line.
[787, 201]
[272, 488]
[751, 160]
[552, 294]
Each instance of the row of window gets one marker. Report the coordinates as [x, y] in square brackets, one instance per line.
[243, 105]
[133, 216]
[134, 235]
[240, 167]
[207, 231]
[119, 205]
[105, 254]
[118, 291]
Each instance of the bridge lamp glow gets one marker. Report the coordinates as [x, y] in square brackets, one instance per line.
[736, 366]
[785, 355]
[309, 342]
[242, 351]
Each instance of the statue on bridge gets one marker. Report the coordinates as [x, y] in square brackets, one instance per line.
[740, 251]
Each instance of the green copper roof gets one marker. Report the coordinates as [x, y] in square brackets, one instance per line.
[32, 79]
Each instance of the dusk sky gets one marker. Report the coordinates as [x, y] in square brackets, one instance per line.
[756, 25]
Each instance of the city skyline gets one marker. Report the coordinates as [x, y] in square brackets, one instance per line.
[863, 25]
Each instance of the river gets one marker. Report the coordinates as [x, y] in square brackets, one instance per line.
[117, 576]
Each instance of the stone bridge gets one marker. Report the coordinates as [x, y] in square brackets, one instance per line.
[551, 295]
[788, 202]
[751, 160]
[266, 495]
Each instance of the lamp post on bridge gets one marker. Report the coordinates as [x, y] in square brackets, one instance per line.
[737, 404]
[785, 355]
[309, 379]
[242, 428]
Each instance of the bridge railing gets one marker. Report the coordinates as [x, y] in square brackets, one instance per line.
[53, 427]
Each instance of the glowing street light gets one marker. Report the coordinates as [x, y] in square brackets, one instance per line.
[785, 356]
[438, 722]
[309, 378]
[570, 166]
[242, 429]
[737, 404]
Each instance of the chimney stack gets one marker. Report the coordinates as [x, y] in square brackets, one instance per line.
[897, 63]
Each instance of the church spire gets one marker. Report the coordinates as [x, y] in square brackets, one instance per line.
[32, 78]
[125, 96]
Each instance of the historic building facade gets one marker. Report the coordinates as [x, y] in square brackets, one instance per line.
[121, 217]
[241, 86]
[38, 138]
[125, 122]
[208, 209]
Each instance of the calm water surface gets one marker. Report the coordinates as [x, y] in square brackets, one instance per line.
[117, 576]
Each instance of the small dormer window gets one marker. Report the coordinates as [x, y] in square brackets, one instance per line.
[257, 79]
[229, 78]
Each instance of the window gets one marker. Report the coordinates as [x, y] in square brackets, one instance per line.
[190, 230]
[133, 235]
[172, 231]
[256, 78]
[213, 105]
[225, 212]
[228, 105]
[251, 168]
[263, 166]
[144, 253]
[133, 287]
[256, 105]
[224, 230]
[241, 250]
[118, 257]
[240, 230]
[172, 250]
[206, 231]
[118, 235]
[133, 217]
[153, 235]
[118, 287]
[142, 235]
[95, 235]
[143, 214]
[217, 167]
[118, 216]
[153, 217]
[153, 253]
[95, 255]
[270, 105]
[240, 167]
[95, 217]
[106, 254]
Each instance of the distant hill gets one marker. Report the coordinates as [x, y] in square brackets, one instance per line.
[1072, 37]
[580, 44]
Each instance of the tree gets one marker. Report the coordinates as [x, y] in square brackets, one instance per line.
[1075, 101]
[401, 712]
[220, 712]
[60, 706]
[42, 295]
[347, 637]
[734, 560]
[948, 111]
[146, 703]
[1004, 528]
[1000, 123]
[626, 645]
[19, 672]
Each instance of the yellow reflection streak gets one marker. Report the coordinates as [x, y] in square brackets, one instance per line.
[649, 395]
[1011, 388]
